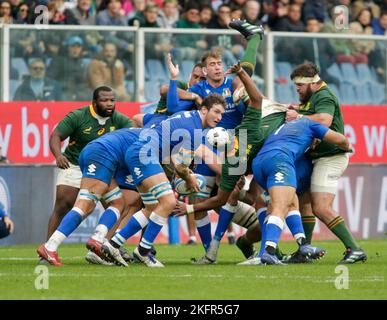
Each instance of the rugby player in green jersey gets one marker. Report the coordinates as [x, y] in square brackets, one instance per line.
[81, 126]
[319, 103]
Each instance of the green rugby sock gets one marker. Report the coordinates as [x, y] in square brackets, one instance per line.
[338, 227]
[249, 59]
[308, 223]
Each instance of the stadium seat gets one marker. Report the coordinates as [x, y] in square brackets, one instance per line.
[156, 70]
[364, 73]
[349, 73]
[378, 93]
[152, 91]
[186, 68]
[129, 85]
[363, 94]
[13, 85]
[335, 90]
[283, 94]
[335, 71]
[21, 66]
[284, 69]
[347, 93]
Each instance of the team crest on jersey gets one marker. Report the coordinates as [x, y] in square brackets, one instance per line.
[226, 93]
[101, 131]
[208, 91]
[112, 128]
[87, 131]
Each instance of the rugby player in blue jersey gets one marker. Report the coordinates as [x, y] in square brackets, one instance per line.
[274, 170]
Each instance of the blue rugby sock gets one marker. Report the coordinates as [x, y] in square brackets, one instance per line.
[71, 221]
[154, 227]
[136, 222]
[107, 220]
[273, 231]
[261, 218]
[204, 229]
[225, 216]
[294, 223]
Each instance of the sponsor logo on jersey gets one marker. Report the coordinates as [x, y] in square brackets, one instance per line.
[87, 131]
[279, 177]
[129, 179]
[137, 172]
[91, 169]
[101, 131]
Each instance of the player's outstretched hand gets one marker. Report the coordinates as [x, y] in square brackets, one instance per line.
[291, 115]
[180, 209]
[234, 68]
[173, 70]
[9, 224]
[62, 162]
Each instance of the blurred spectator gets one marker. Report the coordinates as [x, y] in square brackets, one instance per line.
[291, 22]
[206, 15]
[108, 70]
[37, 87]
[70, 71]
[236, 13]
[55, 16]
[267, 11]
[169, 15]
[251, 12]
[235, 3]
[147, 18]
[138, 9]
[127, 7]
[156, 44]
[5, 13]
[190, 46]
[26, 44]
[221, 19]
[342, 47]
[224, 42]
[383, 5]
[112, 15]
[362, 25]
[22, 16]
[3, 159]
[313, 9]
[53, 46]
[360, 5]
[15, 4]
[379, 25]
[323, 55]
[6, 224]
[82, 14]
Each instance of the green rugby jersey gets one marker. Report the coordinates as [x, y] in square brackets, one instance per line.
[257, 130]
[325, 101]
[162, 105]
[84, 125]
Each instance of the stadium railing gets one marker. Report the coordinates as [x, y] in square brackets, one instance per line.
[143, 50]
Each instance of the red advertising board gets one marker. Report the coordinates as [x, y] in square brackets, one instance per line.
[366, 129]
[25, 128]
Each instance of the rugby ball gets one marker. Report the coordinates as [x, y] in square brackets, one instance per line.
[179, 185]
[218, 137]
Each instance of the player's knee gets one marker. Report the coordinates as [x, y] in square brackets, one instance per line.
[168, 203]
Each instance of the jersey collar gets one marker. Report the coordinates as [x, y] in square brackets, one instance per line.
[101, 120]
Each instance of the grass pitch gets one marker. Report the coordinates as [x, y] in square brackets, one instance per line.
[181, 280]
